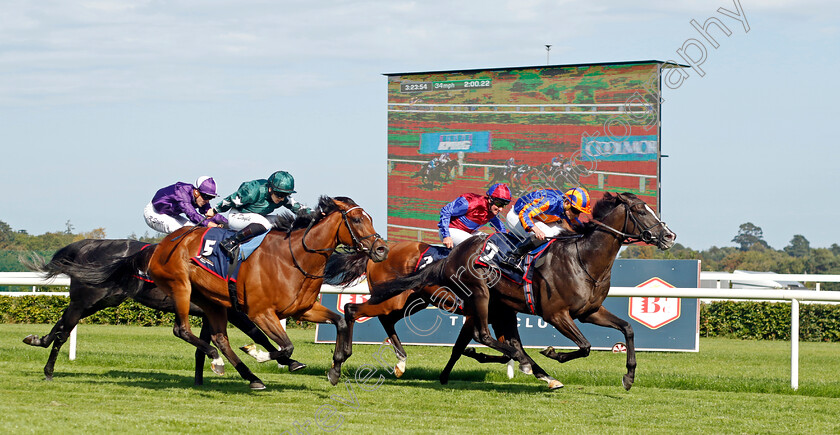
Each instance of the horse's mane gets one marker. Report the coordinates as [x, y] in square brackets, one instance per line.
[288, 222]
[602, 207]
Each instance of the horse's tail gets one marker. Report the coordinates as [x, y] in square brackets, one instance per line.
[343, 268]
[62, 258]
[119, 271]
[433, 274]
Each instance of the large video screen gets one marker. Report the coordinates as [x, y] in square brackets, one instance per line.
[454, 132]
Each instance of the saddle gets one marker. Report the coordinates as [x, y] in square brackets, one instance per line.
[211, 258]
[499, 245]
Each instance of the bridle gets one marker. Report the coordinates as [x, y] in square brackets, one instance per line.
[357, 241]
[645, 235]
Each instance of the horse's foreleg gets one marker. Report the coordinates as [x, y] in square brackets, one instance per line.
[343, 341]
[602, 317]
[241, 321]
[564, 323]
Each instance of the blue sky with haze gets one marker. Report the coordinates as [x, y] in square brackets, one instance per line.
[103, 102]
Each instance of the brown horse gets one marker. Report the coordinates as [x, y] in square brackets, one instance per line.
[403, 258]
[572, 283]
[280, 279]
[86, 299]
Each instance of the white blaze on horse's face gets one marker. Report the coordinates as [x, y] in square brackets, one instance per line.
[666, 237]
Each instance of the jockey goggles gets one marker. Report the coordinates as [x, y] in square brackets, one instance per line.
[498, 202]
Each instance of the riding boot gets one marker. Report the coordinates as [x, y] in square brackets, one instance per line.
[515, 257]
[230, 246]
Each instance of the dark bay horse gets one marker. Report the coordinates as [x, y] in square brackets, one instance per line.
[403, 258]
[572, 283]
[280, 279]
[87, 299]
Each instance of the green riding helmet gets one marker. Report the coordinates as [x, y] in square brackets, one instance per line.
[282, 181]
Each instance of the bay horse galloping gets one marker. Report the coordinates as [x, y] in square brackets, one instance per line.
[572, 283]
[281, 279]
[404, 258]
[87, 299]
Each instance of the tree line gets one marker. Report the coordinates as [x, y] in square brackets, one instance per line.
[752, 253]
[14, 243]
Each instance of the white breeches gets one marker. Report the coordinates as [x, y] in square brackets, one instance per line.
[458, 236]
[238, 221]
[163, 223]
[515, 226]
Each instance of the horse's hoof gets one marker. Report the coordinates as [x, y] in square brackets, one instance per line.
[295, 366]
[468, 352]
[399, 369]
[547, 351]
[218, 366]
[627, 382]
[32, 340]
[526, 369]
[444, 380]
[554, 384]
[333, 375]
[257, 386]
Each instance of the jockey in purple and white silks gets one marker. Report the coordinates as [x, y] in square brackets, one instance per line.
[462, 218]
[164, 213]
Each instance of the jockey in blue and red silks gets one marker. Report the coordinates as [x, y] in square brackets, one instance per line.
[163, 212]
[545, 213]
[462, 218]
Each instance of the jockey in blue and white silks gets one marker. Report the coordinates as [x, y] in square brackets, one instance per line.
[545, 213]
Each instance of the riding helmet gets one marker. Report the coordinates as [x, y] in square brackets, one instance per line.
[206, 185]
[500, 191]
[579, 199]
[282, 181]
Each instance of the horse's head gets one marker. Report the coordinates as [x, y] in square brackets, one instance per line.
[358, 230]
[639, 221]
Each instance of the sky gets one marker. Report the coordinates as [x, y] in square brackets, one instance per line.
[103, 102]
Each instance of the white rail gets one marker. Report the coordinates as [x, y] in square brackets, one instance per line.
[794, 296]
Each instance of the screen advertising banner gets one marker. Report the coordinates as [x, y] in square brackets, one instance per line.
[455, 132]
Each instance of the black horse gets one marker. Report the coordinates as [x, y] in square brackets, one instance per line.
[86, 299]
[441, 173]
[571, 283]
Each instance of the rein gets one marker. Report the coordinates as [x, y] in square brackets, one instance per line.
[644, 236]
[357, 242]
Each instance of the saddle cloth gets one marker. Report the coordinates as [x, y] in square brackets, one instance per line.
[211, 258]
[498, 246]
[431, 254]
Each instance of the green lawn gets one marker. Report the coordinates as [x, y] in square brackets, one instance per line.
[135, 379]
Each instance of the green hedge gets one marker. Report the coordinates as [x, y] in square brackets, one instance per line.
[744, 320]
[769, 321]
[48, 309]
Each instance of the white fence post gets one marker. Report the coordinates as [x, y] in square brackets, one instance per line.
[794, 344]
[73, 343]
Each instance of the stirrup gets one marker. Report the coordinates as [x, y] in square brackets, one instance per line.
[514, 264]
[230, 248]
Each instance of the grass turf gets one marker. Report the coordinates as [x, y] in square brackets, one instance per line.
[135, 379]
